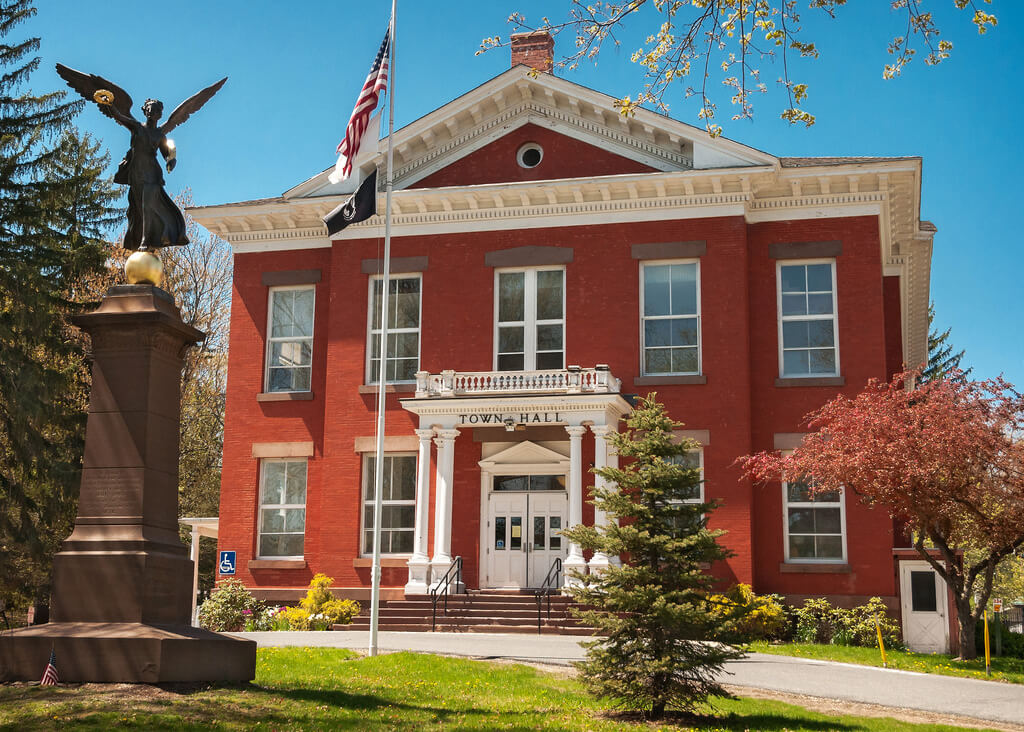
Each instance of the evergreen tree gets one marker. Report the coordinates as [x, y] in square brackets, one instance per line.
[942, 361]
[655, 611]
[53, 207]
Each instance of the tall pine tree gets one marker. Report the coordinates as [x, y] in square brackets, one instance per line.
[54, 206]
[943, 361]
[656, 612]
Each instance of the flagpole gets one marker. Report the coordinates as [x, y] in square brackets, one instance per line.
[378, 495]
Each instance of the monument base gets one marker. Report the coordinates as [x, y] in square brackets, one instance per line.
[131, 653]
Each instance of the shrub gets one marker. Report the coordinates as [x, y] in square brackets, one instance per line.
[1011, 645]
[226, 608]
[818, 622]
[858, 625]
[766, 617]
[814, 621]
[319, 610]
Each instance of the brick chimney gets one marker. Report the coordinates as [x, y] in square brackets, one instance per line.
[535, 49]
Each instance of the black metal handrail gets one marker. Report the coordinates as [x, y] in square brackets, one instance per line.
[444, 585]
[551, 581]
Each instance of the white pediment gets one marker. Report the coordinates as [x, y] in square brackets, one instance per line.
[515, 98]
[526, 457]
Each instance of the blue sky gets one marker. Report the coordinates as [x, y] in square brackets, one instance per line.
[294, 70]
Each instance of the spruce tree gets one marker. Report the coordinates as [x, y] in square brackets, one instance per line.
[655, 612]
[53, 207]
[943, 362]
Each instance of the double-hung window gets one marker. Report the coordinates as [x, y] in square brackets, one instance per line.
[530, 323]
[694, 460]
[671, 318]
[808, 326]
[290, 339]
[815, 524]
[398, 498]
[282, 520]
[403, 355]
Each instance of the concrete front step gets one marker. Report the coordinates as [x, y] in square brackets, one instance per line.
[467, 620]
[478, 611]
[456, 628]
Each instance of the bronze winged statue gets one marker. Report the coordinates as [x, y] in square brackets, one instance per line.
[153, 218]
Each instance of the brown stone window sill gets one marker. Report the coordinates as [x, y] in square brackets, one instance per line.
[285, 396]
[391, 389]
[811, 568]
[277, 564]
[815, 381]
[384, 562]
[657, 380]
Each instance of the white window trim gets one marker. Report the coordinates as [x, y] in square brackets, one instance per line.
[367, 499]
[834, 316]
[531, 323]
[700, 333]
[370, 351]
[787, 504]
[271, 340]
[261, 505]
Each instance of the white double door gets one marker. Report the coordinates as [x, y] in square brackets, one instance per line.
[524, 536]
[923, 599]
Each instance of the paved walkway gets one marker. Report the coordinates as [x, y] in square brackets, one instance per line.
[902, 689]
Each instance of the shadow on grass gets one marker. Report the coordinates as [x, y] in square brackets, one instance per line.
[730, 721]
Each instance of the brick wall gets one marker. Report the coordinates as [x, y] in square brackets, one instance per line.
[739, 405]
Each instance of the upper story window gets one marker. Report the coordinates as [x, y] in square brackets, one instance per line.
[808, 325]
[530, 323]
[670, 307]
[282, 520]
[290, 339]
[694, 460]
[815, 524]
[398, 504]
[403, 355]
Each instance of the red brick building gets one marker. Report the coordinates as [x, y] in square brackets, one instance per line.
[551, 257]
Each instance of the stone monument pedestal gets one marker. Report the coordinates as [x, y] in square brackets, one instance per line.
[122, 581]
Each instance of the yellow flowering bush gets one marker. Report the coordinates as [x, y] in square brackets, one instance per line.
[319, 609]
[766, 619]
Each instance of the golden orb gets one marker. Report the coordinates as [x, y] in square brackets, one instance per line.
[102, 96]
[144, 268]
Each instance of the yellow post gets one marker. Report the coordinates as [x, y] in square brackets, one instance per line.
[988, 658]
[881, 643]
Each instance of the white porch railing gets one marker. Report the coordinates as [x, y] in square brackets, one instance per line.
[573, 380]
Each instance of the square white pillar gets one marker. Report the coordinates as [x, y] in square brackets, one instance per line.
[442, 559]
[419, 562]
[600, 561]
[575, 561]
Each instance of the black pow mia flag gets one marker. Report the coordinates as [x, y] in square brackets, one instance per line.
[361, 206]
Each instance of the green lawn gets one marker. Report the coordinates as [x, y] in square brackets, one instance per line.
[1003, 669]
[305, 688]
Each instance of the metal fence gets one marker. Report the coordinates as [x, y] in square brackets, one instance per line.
[1013, 619]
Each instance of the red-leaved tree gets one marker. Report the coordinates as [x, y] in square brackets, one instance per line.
[947, 458]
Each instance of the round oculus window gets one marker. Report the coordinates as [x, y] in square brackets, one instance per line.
[530, 155]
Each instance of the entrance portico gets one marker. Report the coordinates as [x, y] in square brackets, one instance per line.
[540, 484]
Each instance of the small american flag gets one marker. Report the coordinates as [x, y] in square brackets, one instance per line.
[375, 85]
[50, 677]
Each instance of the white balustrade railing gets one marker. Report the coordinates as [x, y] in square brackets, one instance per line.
[573, 380]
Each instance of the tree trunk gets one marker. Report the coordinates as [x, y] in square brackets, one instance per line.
[658, 710]
[968, 624]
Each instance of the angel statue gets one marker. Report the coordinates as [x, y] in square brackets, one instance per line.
[153, 218]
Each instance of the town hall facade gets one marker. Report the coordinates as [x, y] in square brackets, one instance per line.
[552, 259]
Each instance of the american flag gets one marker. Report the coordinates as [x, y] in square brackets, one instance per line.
[50, 677]
[375, 85]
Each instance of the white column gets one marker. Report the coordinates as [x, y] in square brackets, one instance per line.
[194, 554]
[442, 558]
[599, 562]
[575, 561]
[613, 462]
[419, 562]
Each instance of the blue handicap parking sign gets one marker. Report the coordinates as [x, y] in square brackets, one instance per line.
[226, 565]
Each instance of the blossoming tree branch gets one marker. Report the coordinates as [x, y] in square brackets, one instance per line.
[692, 39]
